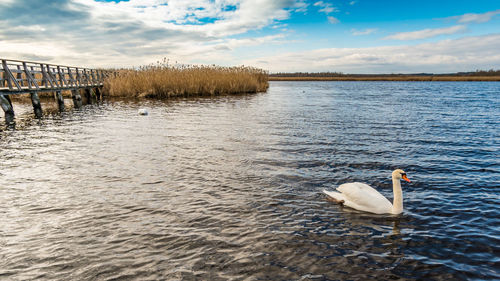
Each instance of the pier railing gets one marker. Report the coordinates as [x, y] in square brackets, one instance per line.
[24, 77]
[18, 77]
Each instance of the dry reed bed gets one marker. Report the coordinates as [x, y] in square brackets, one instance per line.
[389, 78]
[163, 81]
[41, 95]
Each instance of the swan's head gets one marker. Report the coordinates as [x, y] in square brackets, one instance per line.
[400, 174]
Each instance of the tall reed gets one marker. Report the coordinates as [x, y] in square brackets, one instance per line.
[163, 81]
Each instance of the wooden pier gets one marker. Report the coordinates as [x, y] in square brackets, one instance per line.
[20, 77]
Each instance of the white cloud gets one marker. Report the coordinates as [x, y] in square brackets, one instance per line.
[352, 3]
[214, 18]
[333, 20]
[326, 8]
[301, 6]
[367, 31]
[228, 44]
[426, 33]
[463, 54]
[476, 18]
[136, 32]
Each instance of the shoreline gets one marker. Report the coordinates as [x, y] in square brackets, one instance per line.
[387, 78]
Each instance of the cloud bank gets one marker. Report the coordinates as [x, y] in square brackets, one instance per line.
[463, 54]
[476, 18]
[426, 33]
[225, 32]
[133, 32]
[367, 31]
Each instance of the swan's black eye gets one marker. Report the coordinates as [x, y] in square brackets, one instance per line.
[403, 174]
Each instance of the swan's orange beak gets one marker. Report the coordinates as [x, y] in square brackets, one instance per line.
[406, 178]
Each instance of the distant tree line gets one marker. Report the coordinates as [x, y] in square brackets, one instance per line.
[307, 74]
[490, 72]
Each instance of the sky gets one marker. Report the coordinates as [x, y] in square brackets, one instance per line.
[349, 36]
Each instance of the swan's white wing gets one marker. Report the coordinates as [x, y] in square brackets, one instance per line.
[335, 195]
[363, 197]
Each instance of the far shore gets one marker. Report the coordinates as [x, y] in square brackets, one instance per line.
[385, 78]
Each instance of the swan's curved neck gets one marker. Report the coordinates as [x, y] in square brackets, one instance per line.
[397, 205]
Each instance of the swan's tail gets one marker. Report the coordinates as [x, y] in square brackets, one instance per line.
[335, 195]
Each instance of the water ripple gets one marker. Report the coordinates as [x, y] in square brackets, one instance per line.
[230, 188]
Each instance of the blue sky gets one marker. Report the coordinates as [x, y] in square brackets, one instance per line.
[348, 36]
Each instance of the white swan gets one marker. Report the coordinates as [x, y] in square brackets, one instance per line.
[363, 197]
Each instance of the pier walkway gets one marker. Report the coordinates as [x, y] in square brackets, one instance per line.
[20, 77]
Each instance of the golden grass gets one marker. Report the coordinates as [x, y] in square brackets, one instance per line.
[163, 81]
[41, 95]
[389, 78]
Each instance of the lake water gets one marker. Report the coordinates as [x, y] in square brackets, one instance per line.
[230, 188]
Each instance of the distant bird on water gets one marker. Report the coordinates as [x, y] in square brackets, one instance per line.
[143, 111]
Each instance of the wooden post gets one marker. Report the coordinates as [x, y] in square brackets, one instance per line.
[77, 99]
[94, 95]
[45, 80]
[89, 95]
[62, 78]
[10, 77]
[52, 77]
[30, 78]
[86, 77]
[6, 105]
[78, 77]
[60, 101]
[92, 77]
[37, 107]
[19, 75]
[98, 93]
[72, 81]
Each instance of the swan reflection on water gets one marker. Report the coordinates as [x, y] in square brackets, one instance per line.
[385, 225]
[395, 228]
